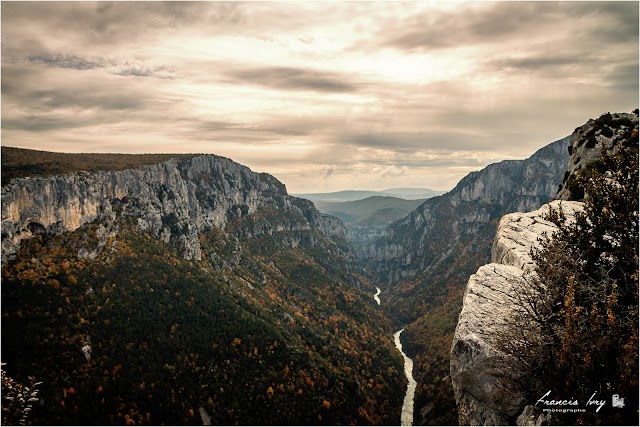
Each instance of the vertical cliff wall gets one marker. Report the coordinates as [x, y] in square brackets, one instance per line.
[175, 200]
[438, 231]
[481, 395]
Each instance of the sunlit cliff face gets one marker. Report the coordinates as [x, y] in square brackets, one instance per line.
[324, 96]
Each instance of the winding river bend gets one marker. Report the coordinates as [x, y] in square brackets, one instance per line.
[406, 418]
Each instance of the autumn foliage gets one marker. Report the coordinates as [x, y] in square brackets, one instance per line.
[283, 335]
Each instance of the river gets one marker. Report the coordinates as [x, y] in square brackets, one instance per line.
[376, 297]
[406, 418]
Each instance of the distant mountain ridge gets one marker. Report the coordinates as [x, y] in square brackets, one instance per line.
[351, 195]
[430, 234]
[360, 210]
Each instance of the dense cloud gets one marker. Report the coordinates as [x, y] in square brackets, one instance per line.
[326, 96]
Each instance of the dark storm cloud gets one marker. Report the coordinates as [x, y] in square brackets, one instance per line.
[160, 72]
[292, 78]
[540, 62]
[107, 101]
[41, 123]
[618, 20]
[467, 25]
[126, 68]
[279, 126]
[34, 91]
[625, 77]
[328, 173]
[215, 128]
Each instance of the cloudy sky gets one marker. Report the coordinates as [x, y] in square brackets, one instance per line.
[324, 95]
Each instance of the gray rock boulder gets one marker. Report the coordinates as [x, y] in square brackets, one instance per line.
[518, 232]
[481, 396]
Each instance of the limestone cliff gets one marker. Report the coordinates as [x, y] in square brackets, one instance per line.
[441, 230]
[174, 200]
[481, 396]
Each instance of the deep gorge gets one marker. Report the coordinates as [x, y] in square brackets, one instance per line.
[249, 299]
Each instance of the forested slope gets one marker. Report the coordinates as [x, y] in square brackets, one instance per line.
[269, 326]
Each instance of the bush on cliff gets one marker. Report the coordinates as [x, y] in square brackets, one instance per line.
[577, 332]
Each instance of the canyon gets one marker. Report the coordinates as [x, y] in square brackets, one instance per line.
[447, 272]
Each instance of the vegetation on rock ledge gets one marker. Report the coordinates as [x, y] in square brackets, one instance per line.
[578, 335]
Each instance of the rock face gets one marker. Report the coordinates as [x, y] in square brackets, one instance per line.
[518, 232]
[174, 200]
[443, 228]
[585, 146]
[481, 396]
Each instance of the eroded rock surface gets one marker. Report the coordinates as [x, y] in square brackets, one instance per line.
[175, 200]
[440, 230]
[481, 395]
[518, 232]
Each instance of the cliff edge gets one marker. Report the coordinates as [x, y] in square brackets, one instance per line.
[481, 395]
[175, 200]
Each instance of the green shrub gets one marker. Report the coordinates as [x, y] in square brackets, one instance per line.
[578, 329]
[592, 141]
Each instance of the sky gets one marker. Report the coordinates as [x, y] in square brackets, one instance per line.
[325, 96]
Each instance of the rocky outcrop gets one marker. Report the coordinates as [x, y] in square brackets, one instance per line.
[475, 366]
[489, 300]
[518, 232]
[442, 229]
[585, 147]
[174, 200]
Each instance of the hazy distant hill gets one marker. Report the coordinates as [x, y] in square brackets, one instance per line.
[351, 195]
[367, 219]
[412, 193]
[358, 211]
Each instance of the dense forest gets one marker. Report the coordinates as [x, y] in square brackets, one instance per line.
[267, 329]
